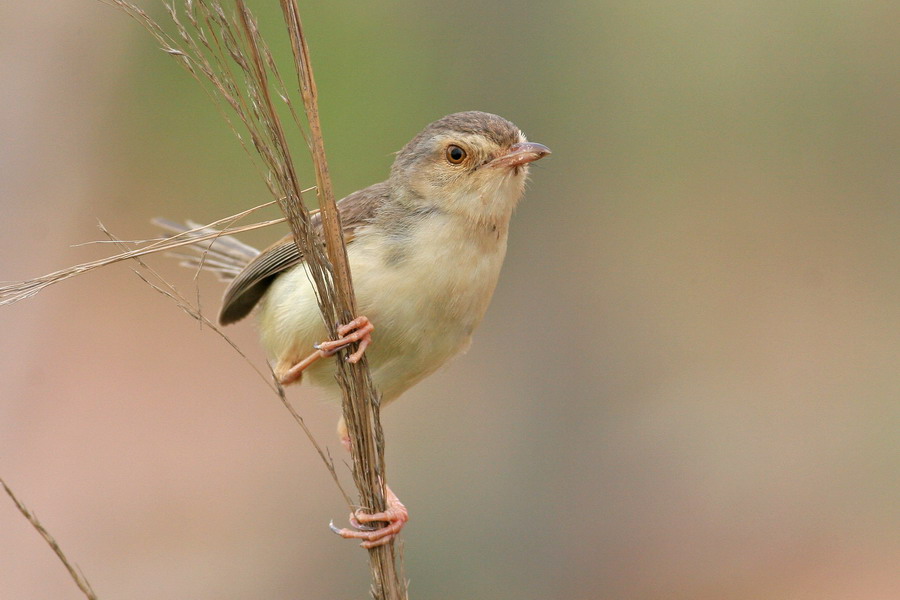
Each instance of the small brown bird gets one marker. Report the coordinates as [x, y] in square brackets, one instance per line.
[425, 250]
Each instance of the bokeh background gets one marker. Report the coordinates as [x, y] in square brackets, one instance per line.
[686, 386]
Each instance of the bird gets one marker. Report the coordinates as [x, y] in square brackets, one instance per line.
[425, 249]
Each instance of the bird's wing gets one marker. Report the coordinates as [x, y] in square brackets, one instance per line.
[249, 285]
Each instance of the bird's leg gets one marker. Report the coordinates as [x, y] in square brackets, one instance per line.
[358, 330]
[395, 515]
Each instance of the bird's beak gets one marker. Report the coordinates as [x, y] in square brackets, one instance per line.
[520, 154]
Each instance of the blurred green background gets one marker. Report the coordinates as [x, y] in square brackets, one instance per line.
[687, 383]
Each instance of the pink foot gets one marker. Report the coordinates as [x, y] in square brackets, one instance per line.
[395, 516]
[358, 330]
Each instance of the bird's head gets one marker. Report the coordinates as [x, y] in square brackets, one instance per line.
[470, 163]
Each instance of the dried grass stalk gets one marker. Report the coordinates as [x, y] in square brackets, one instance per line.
[11, 293]
[75, 573]
[230, 54]
[229, 57]
[170, 291]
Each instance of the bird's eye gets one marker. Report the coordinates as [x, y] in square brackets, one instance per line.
[455, 154]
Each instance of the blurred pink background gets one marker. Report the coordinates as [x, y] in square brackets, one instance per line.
[687, 383]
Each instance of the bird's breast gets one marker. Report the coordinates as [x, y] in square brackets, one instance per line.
[425, 291]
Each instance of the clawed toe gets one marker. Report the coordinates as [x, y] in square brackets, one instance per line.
[371, 537]
[358, 330]
[395, 516]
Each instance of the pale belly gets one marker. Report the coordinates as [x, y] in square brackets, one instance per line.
[425, 305]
